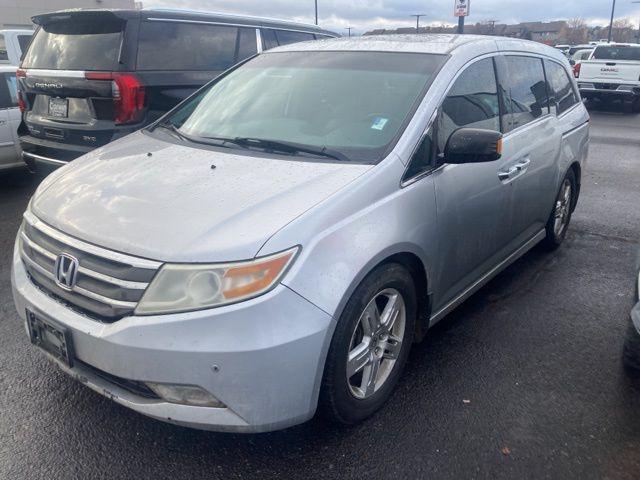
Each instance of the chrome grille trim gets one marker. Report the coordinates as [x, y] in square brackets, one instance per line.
[109, 284]
[89, 273]
[82, 291]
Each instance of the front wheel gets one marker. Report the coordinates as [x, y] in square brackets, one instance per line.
[370, 345]
[558, 222]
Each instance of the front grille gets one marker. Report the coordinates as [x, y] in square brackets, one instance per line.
[109, 284]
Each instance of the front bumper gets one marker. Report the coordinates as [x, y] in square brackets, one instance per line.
[262, 358]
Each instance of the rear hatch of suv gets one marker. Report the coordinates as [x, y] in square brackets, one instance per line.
[75, 82]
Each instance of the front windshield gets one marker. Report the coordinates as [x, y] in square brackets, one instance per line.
[353, 103]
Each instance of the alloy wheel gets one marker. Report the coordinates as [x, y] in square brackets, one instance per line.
[376, 343]
[562, 210]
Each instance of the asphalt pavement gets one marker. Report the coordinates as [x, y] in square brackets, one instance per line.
[524, 380]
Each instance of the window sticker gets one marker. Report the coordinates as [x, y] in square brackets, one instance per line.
[379, 123]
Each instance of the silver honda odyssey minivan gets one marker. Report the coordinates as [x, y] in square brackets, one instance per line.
[275, 244]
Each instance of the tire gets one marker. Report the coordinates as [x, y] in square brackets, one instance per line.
[631, 349]
[349, 399]
[555, 235]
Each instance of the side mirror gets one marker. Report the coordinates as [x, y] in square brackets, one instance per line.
[473, 145]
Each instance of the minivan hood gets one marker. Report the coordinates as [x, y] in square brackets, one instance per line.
[168, 202]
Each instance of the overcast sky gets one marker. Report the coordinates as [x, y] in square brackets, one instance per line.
[364, 15]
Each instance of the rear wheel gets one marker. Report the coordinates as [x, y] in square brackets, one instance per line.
[558, 222]
[370, 345]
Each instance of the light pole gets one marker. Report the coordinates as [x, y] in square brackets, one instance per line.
[348, 29]
[613, 11]
[418, 15]
[638, 37]
[316, 12]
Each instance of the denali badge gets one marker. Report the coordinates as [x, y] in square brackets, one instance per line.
[47, 85]
[66, 271]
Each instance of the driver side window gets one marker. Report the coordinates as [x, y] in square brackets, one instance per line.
[472, 102]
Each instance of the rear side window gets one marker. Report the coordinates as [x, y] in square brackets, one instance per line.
[274, 38]
[76, 45]
[620, 52]
[23, 41]
[8, 91]
[526, 90]
[471, 102]
[269, 39]
[286, 37]
[561, 93]
[186, 46]
[3, 49]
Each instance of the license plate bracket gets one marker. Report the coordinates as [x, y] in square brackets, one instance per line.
[58, 107]
[51, 337]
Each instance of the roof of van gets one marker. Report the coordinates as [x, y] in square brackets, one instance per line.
[444, 44]
[184, 15]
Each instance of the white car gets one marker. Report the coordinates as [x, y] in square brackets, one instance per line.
[9, 119]
[13, 43]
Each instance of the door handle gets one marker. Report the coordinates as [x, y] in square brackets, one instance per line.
[523, 165]
[2, 122]
[509, 174]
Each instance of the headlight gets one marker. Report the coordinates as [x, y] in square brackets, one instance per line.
[186, 287]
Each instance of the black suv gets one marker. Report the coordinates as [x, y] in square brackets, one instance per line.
[91, 76]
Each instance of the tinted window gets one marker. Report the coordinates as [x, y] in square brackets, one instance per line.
[421, 160]
[23, 41]
[526, 90]
[620, 52]
[269, 39]
[561, 93]
[471, 102]
[3, 49]
[354, 103]
[8, 91]
[247, 43]
[76, 45]
[286, 37]
[186, 46]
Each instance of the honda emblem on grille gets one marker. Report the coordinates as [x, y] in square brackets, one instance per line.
[66, 271]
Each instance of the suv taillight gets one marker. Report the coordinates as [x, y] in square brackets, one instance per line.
[22, 105]
[128, 95]
[576, 70]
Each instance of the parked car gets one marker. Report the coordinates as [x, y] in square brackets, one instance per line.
[279, 240]
[91, 76]
[580, 55]
[575, 48]
[9, 119]
[611, 73]
[13, 43]
[631, 351]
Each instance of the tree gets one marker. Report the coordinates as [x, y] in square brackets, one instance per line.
[623, 31]
[576, 31]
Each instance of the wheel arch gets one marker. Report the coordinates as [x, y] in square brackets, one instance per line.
[577, 172]
[417, 267]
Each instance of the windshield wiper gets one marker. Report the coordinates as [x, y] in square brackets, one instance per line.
[288, 147]
[219, 141]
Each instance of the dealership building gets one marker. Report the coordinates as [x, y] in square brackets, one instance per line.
[18, 13]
